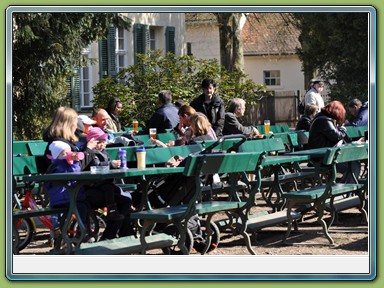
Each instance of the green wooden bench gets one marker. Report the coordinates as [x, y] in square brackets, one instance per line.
[274, 128]
[28, 148]
[319, 195]
[195, 166]
[355, 133]
[126, 245]
[25, 165]
[278, 175]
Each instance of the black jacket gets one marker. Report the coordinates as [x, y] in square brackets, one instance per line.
[304, 123]
[324, 133]
[214, 110]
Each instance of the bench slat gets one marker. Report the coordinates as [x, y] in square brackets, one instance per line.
[126, 245]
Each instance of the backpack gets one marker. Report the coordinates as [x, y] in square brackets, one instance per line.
[301, 107]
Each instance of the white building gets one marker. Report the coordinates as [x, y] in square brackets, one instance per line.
[149, 31]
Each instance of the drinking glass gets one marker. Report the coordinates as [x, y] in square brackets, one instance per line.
[267, 124]
[135, 125]
[152, 133]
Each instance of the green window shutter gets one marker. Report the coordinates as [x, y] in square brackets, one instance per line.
[107, 54]
[75, 89]
[141, 39]
[170, 40]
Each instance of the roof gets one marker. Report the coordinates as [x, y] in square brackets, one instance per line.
[270, 34]
[195, 19]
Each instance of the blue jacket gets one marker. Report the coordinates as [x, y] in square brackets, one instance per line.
[165, 117]
[361, 118]
[58, 195]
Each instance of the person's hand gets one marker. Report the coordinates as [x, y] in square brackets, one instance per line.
[92, 143]
[116, 163]
[157, 142]
[342, 129]
[255, 131]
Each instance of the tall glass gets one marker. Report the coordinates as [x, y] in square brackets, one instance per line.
[267, 125]
[153, 133]
[135, 125]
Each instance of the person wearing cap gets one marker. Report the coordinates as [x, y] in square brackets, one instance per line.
[313, 95]
[84, 123]
[87, 123]
[106, 193]
[65, 161]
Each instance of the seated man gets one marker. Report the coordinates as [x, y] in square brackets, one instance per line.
[360, 113]
[101, 117]
[164, 117]
[232, 125]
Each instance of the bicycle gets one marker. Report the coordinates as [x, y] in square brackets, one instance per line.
[26, 227]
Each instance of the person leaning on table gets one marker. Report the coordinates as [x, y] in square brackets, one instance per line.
[232, 124]
[327, 130]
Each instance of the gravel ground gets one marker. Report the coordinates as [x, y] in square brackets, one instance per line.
[350, 236]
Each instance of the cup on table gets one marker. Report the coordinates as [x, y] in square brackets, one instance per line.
[267, 124]
[135, 125]
[153, 133]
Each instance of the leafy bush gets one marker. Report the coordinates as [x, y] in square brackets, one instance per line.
[138, 85]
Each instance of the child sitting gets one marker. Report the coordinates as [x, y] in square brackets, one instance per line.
[64, 161]
[107, 193]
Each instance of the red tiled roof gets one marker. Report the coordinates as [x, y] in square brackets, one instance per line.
[270, 34]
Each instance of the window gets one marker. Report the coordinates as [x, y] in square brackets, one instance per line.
[189, 48]
[152, 38]
[86, 96]
[272, 78]
[121, 50]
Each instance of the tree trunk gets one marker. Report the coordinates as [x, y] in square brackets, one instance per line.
[231, 45]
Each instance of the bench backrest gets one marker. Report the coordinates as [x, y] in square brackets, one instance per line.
[274, 128]
[24, 165]
[25, 148]
[262, 145]
[347, 153]
[161, 155]
[355, 133]
[37, 147]
[221, 163]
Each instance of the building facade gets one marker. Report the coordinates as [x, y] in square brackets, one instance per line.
[149, 31]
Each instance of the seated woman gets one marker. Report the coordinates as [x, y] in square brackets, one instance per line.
[114, 109]
[327, 131]
[200, 129]
[232, 124]
[305, 121]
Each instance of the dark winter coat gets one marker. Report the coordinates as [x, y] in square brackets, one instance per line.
[214, 110]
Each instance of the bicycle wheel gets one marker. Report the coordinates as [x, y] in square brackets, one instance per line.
[97, 225]
[173, 231]
[26, 229]
[199, 244]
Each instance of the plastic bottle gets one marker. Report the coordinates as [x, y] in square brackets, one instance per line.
[122, 155]
[140, 156]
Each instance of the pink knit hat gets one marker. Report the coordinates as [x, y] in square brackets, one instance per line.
[97, 134]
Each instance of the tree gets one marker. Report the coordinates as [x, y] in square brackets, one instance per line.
[231, 47]
[182, 75]
[335, 46]
[46, 46]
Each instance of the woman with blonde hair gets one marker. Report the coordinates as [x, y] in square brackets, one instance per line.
[201, 127]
